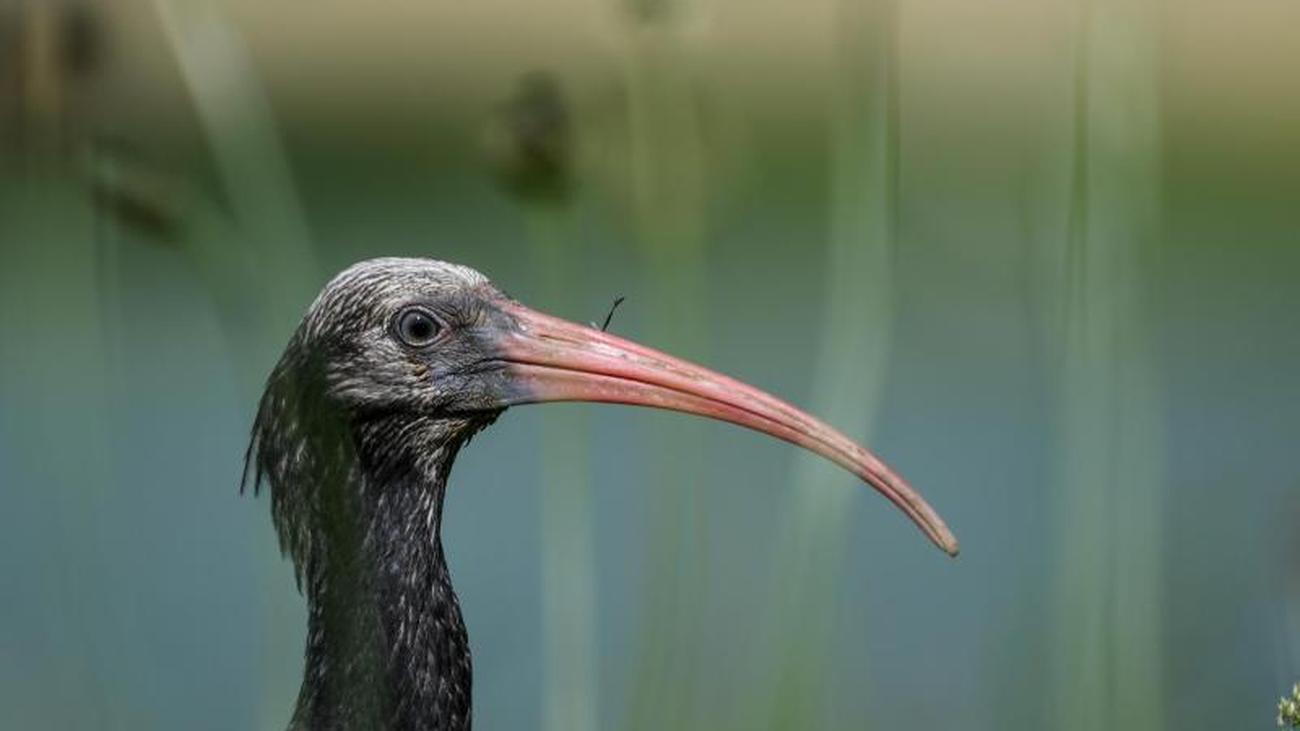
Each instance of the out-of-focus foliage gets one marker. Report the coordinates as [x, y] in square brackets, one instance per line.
[1288, 709]
[1041, 256]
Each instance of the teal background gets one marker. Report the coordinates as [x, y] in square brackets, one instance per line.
[1041, 257]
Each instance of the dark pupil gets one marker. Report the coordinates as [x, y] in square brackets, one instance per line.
[418, 327]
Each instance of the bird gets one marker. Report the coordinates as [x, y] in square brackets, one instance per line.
[395, 366]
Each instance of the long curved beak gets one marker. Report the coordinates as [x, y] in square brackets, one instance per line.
[549, 359]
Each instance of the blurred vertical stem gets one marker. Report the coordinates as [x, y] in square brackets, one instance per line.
[260, 267]
[54, 385]
[54, 380]
[568, 545]
[668, 171]
[1107, 669]
[240, 128]
[41, 100]
[529, 143]
[851, 365]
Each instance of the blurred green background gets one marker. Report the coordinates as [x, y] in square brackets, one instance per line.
[1043, 257]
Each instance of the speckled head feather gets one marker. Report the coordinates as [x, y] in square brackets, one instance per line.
[355, 435]
[343, 371]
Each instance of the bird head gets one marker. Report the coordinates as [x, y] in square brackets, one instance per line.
[399, 361]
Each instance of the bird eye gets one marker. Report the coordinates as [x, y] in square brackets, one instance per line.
[417, 328]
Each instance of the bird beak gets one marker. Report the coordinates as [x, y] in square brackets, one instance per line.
[549, 359]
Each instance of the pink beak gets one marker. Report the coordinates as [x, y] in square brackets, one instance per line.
[550, 359]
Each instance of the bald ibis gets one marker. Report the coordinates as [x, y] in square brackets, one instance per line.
[393, 368]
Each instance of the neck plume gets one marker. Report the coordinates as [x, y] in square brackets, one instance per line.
[357, 502]
[386, 645]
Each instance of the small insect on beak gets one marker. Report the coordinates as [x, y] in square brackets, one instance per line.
[549, 359]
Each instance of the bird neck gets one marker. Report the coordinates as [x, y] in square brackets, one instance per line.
[387, 647]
